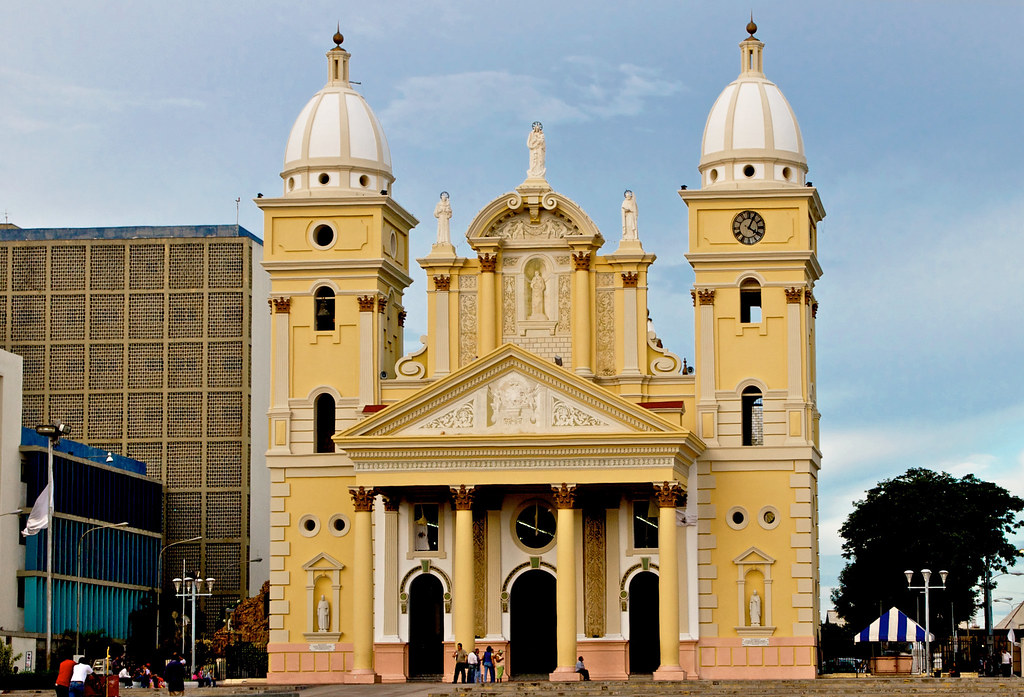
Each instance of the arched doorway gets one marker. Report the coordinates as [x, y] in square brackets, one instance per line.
[532, 619]
[644, 638]
[426, 626]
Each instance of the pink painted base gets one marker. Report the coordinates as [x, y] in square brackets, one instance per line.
[391, 661]
[606, 659]
[670, 673]
[360, 677]
[725, 658]
[563, 674]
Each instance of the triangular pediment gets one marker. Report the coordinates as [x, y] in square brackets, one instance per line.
[507, 393]
[753, 556]
[323, 562]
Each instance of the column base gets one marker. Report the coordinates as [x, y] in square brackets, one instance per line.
[564, 674]
[670, 673]
[361, 677]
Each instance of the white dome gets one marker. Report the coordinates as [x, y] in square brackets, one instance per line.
[337, 147]
[752, 139]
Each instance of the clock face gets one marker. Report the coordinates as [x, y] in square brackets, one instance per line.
[748, 227]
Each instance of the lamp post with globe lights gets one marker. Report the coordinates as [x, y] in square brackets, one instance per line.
[192, 588]
[927, 575]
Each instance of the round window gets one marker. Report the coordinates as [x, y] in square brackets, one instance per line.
[748, 171]
[323, 235]
[338, 525]
[364, 180]
[309, 525]
[324, 178]
[736, 518]
[535, 526]
[769, 518]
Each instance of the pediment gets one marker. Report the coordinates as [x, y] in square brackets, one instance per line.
[753, 556]
[323, 562]
[511, 392]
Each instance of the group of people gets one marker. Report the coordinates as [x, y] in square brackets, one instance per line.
[77, 679]
[472, 667]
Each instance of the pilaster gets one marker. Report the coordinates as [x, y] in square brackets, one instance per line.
[582, 323]
[464, 591]
[486, 310]
[668, 495]
[362, 587]
[565, 589]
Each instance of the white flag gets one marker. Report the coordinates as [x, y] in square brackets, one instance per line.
[1011, 636]
[39, 518]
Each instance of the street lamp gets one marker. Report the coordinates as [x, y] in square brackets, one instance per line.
[927, 575]
[988, 585]
[78, 598]
[160, 580]
[53, 433]
[192, 588]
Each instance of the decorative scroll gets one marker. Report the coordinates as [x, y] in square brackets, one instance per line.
[362, 498]
[467, 328]
[794, 295]
[462, 416]
[408, 366]
[442, 283]
[665, 362]
[365, 303]
[565, 496]
[463, 497]
[508, 305]
[507, 262]
[566, 415]
[605, 332]
[594, 572]
[480, 573]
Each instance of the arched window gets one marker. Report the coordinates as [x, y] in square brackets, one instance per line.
[753, 417]
[323, 309]
[323, 423]
[750, 301]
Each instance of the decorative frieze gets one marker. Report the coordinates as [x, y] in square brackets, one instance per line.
[605, 321]
[463, 497]
[467, 328]
[488, 262]
[508, 306]
[442, 283]
[565, 495]
[480, 573]
[630, 279]
[706, 296]
[362, 498]
[581, 261]
[365, 303]
[794, 295]
[594, 572]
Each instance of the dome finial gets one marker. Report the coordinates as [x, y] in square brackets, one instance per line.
[751, 27]
[338, 38]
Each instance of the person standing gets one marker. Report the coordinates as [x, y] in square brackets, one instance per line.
[488, 661]
[174, 675]
[1006, 659]
[79, 673]
[473, 662]
[63, 682]
[499, 662]
[460, 664]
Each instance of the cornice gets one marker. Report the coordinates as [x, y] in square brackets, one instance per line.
[807, 193]
[385, 202]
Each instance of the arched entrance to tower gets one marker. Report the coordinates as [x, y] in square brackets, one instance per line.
[426, 626]
[532, 620]
[644, 639]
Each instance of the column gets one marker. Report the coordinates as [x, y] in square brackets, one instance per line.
[367, 363]
[485, 310]
[581, 313]
[463, 593]
[630, 330]
[280, 414]
[706, 405]
[442, 352]
[390, 555]
[668, 582]
[565, 589]
[362, 588]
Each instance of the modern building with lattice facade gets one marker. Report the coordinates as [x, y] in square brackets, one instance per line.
[140, 338]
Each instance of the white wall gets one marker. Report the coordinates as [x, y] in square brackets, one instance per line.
[12, 554]
[259, 475]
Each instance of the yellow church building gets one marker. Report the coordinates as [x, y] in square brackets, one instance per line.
[542, 476]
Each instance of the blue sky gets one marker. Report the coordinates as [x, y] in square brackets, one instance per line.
[129, 113]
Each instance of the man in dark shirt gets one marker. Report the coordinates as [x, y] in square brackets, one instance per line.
[174, 675]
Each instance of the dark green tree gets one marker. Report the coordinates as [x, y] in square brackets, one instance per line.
[924, 520]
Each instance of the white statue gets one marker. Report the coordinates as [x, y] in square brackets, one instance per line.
[535, 142]
[443, 213]
[755, 609]
[537, 287]
[629, 231]
[323, 615]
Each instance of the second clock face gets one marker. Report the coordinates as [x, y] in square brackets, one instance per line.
[748, 227]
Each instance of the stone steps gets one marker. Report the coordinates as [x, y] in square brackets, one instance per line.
[825, 687]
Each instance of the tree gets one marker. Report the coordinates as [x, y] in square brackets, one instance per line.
[924, 520]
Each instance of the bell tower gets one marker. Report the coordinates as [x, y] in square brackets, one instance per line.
[753, 247]
[337, 251]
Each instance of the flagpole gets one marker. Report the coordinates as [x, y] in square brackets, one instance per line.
[49, 550]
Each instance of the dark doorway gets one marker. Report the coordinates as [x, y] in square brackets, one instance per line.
[644, 639]
[532, 619]
[426, 627]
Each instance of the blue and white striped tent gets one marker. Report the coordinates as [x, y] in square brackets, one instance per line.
[893, 626]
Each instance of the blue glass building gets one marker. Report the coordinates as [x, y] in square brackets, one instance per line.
[118, 565]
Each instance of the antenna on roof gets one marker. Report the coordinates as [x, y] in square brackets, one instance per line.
[237, 201]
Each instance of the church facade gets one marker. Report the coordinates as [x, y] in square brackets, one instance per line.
[542, 476]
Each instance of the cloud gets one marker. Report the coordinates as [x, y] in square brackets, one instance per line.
[439, 108]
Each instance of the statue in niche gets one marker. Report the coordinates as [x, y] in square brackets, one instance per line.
[537, 289]
[755, 609]
[323, 615]
[629, 230]
[535, 142]
[443, 213]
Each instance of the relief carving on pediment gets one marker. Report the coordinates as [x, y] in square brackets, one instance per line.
[520, 228]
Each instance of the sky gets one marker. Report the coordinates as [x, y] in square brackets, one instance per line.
[144, 113]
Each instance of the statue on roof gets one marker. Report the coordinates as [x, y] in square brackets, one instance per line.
[535, 142]
[629, 213]
[443, 213]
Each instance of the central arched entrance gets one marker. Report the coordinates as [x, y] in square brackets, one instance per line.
[644, 639]
[426, 626]
[532, 619]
